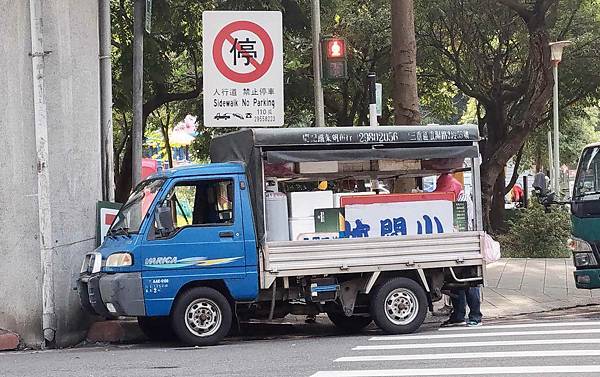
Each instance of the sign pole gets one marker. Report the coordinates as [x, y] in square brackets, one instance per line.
[318, 86]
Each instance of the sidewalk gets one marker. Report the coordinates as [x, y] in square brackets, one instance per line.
[518, 286]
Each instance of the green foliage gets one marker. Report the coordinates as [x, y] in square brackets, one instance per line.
[578, 127]
[481, 34]
[536, 234]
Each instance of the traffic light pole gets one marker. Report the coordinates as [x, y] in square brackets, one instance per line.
[318, 86]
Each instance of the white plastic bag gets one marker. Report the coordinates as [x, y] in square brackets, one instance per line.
[491, 249]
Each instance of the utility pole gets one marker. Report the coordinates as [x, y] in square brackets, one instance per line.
[318, 86]
[138, 87]
[106, 126]
[556, 149]
[551, 162]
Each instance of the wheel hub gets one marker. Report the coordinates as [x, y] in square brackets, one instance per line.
[203, 317]
[401, 306]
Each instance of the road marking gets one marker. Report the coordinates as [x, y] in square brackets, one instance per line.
[471, 355]
[477, 334]
[496, 343]
[558, 369]
[524, 325]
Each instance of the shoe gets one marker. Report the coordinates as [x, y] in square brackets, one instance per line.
[452, 323]
[474, 324]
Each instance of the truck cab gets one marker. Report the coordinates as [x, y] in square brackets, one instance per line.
[192, 224]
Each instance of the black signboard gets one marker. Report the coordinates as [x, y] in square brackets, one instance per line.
[461, 217]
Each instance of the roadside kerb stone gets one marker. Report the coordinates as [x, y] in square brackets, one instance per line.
[115, 331]
[8, 340]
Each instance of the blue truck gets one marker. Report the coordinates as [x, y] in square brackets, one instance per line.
[189, 253]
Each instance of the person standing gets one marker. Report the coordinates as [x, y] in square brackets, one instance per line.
[462, 297]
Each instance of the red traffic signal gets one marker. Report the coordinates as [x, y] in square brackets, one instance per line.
[335, 48]
[333, 58]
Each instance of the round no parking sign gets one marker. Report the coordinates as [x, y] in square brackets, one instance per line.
[243, 69]
[243, 49]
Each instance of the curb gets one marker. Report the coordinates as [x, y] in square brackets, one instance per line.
[115, 331]
[9, 341]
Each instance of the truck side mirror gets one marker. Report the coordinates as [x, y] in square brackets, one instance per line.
[164, 220]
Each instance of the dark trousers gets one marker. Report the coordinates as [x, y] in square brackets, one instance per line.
[463, 297]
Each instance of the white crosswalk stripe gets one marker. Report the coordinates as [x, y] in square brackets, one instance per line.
[471, 334]
[471, 355]
[525, 325]
[493, 343]
[478, 371]
[528, 348]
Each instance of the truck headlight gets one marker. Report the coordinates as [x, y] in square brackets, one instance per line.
[119, 260]
[584, 259]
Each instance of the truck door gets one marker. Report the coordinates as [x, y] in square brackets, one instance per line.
[208, 235]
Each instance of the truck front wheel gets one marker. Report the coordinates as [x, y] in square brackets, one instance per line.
[399, 306]
[202, 317]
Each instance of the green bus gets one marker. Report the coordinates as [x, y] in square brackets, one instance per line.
[585, 219]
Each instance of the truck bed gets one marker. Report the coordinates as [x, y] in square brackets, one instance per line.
[301, 258]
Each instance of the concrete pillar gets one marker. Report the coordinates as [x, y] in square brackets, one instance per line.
[73, 108]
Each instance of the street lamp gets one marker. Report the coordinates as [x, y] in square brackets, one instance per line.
[556, 49]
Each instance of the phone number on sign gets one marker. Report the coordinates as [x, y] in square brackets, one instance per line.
[264, 118]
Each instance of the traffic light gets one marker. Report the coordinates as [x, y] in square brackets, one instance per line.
[333, 58]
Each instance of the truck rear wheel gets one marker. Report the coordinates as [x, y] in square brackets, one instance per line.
[350, 324]
[399, 306]
[201, 317]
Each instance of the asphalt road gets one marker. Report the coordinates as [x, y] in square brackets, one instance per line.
[563, 343]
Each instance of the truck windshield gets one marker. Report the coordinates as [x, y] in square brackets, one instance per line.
[133, 212]
[587, 185]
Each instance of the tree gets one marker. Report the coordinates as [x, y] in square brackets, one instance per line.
[172, 71]
[404, 63]
[496, 52]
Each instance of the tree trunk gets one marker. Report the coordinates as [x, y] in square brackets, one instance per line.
[538, 160]
[497, 209]
[404, 69]
[404, 63]
[123, 179]
[165, 132]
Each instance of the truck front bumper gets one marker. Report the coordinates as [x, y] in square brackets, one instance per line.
[587, 279]
[111, 295]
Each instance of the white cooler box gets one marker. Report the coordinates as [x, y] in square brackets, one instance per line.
[300, 226]
[303, 204]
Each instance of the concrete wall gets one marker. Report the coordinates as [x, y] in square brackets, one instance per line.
[20, 281]
[72, 97]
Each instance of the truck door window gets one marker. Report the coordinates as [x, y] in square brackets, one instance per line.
[207, 202]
